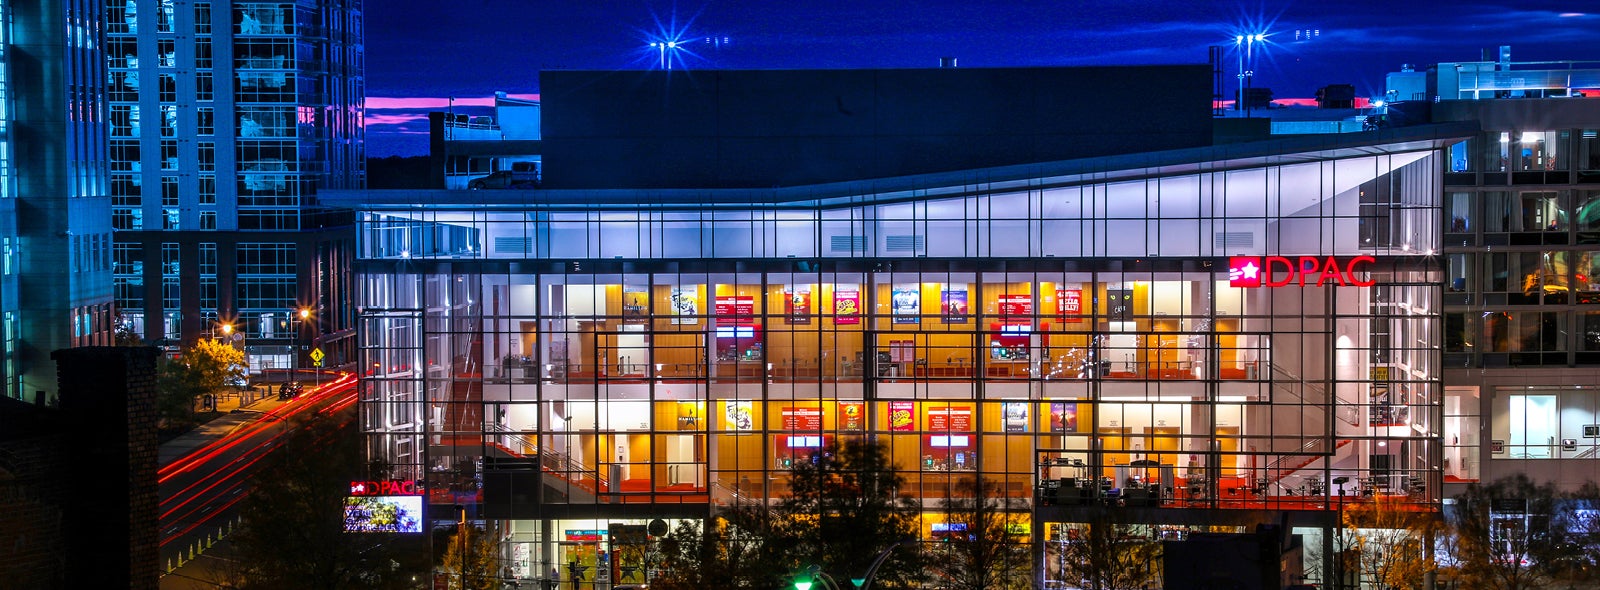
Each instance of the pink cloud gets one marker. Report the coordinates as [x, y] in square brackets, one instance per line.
[394, 119]
[437, 103]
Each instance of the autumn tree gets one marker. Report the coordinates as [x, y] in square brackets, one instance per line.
[717, 554]
[984, 548]
[470, 559]
[1514, 534]
[1108, 553]
[1388, 544]
[844, 507]
[206, 368]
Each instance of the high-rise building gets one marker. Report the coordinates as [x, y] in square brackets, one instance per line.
[226, 118]
[1521, 245]
[55, 230]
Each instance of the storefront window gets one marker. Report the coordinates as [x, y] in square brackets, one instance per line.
[1460, 159]
[1527, 151]
[1523, 332]
[1513, 277]
[1589, 150]
[1587, 217]
[1533, 423]
[1460, 332]
[1590, 339]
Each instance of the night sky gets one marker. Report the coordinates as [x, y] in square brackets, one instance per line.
[421, 51]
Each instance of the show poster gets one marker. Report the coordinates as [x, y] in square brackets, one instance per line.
[1063, 417]
[1015, 415]
[953, 305]
[846, 307]
[738, 307]
[906, 304]
[950, 419]
[635, 304]
[902, 416]
[797, 305]
[852, 416]
[685, 305]
[740, 416]
[802, 418]
[1069, 305]
[1016, 307]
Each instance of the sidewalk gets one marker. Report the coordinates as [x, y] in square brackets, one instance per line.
[238, 409]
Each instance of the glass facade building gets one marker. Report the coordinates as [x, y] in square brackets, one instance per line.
[55, 232]
[1521, 246]
[226, 118]
[1211, 333]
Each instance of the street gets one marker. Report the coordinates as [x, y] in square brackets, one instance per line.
[200, 488]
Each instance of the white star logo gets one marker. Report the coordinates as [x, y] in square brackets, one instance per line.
[357, 488]
[1250, 270]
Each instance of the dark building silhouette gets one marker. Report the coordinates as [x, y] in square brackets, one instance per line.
[78, 491]
[774, 128]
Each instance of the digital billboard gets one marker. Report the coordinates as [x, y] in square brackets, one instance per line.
[383, 514]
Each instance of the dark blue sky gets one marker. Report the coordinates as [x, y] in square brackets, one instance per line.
[421, 51]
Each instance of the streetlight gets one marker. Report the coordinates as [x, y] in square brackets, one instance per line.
[1338, 562]
[304, 315]
[808, 577]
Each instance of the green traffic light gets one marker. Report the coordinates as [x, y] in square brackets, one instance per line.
[802, 585]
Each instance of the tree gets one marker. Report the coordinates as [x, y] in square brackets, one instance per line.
[984, 549]
[203, 369]
[1513, 534]
[470, 559]
[718, 554]
[843, 508]
[292, 520]
[1108, 554]
[1388, 544]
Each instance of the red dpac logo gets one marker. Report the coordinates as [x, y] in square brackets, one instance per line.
[1244, 271]
[1279, 271]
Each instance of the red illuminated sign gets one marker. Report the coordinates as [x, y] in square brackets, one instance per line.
[956, 418]
[736, 306]
[802, 418]
[1279, 271]
[388, 487]
[1016, 306]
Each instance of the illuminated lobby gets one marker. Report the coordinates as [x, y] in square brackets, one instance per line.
[1208, 337]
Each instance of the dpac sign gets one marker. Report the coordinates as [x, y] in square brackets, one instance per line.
[1279, 271]
[388, 487]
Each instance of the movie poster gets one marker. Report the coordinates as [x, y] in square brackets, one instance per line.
[739, 416]
[953, 306]
[1069, 305]
[685, 305]
[797, 305]
[635, 304]
[852, 416]
[902, 416]
[1015, 415]
[846, 307]
[906, 302]
[1063, 417]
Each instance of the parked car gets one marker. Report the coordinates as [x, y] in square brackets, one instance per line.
[521, 175]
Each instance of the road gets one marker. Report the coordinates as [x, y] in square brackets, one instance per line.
[200, 489]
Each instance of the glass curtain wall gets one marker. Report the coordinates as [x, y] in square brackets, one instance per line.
[1089, 334]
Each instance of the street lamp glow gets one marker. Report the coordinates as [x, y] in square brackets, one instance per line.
[305, 312]
[227, 329]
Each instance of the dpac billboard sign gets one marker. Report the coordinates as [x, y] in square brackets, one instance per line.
[1281, 271]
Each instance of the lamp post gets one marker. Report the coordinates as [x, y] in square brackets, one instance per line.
[1338, 562]
[304, 315]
